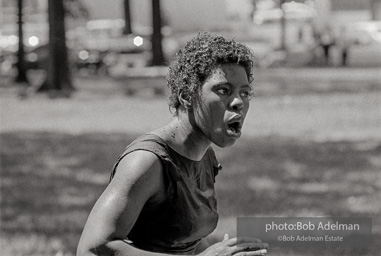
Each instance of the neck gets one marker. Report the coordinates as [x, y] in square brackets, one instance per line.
[184, 138]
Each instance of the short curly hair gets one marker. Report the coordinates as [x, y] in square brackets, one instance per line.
[198, 58]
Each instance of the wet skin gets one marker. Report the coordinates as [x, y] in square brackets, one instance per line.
[220, 109]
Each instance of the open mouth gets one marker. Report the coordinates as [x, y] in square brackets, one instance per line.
[235, 127]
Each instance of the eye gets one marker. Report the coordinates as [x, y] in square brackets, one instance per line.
[223, 91]
[247, 95]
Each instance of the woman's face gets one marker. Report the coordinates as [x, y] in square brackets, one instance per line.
[222, 104]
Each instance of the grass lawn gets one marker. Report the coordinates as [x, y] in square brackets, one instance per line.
[315, 154]
[51, 180]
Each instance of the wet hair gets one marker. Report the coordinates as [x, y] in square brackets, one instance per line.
[196, 61]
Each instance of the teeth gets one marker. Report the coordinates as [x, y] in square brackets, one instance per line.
[233, 128]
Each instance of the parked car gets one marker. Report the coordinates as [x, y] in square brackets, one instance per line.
[268, 12]
[365, 49]
[364, 32]
[107, 36]
[37, 58]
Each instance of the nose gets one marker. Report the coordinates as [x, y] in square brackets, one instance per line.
[236, 104]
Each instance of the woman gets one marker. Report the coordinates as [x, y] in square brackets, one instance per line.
[161, 197]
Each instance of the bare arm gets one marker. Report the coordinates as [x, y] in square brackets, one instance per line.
[202, 246]
[138, 178]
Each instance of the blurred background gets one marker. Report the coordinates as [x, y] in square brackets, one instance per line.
[80, 79]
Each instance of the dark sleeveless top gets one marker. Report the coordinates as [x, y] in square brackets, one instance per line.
[188, 213]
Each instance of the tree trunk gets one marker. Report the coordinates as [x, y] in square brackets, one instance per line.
[58, 80]
[21, 67]
[127, 18]
[375, 9]
[157, 48]
[283, 27]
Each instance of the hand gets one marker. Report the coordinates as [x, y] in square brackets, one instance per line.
[238, 246]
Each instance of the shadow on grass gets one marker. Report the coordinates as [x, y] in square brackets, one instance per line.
[50, 181]
[277, 176]
[319, 178]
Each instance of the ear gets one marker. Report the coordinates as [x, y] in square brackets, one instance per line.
[187, 103]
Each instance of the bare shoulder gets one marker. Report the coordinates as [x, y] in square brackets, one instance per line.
[139, 168]
[138, 178]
